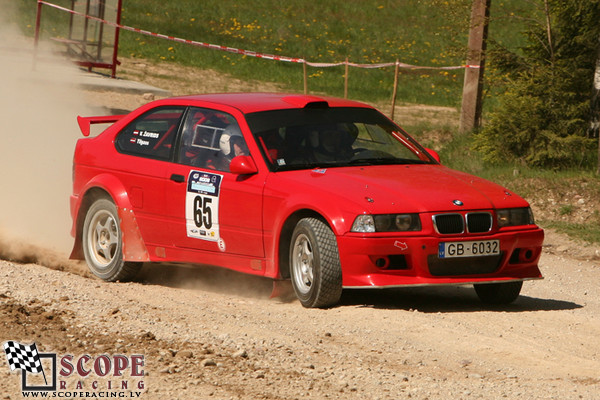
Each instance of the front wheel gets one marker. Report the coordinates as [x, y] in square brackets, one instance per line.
[102, 244]
[315, 264]
[498, 293]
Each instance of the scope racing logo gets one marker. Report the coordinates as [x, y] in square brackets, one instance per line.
[103, 376]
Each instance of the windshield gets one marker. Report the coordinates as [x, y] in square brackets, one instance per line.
[332, 137]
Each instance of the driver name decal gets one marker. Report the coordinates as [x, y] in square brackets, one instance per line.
[202, 205]
[142, 137]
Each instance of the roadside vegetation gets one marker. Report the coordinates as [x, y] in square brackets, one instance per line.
[419, 32]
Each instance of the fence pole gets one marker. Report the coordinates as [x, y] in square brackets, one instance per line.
[470, 111]
[346, 79]
[305, 77]
[395, 91]
[115, 54]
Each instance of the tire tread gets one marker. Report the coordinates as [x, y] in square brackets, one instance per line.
[329, 288]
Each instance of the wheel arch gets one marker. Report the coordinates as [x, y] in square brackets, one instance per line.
[134, 248]
[285, 237]
[90, 196]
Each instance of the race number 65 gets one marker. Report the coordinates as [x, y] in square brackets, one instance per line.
[203, 212]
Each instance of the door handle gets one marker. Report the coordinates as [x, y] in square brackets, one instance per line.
[178, 178]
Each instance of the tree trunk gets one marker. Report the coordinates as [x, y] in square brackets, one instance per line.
[594, 128]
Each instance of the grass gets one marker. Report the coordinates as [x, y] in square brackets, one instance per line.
[425, 33]
[587, 232]
[566, 209]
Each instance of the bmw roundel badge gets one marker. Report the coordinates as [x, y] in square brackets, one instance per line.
[457, 202]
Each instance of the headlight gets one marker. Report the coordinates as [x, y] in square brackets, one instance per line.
[387, 223]
[363, 223]
[514, 217]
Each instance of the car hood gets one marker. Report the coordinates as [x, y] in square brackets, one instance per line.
[407, 188]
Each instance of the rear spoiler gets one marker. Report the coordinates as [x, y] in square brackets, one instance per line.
[85, 122]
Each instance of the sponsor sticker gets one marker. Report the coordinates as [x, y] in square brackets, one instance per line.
[202, 205]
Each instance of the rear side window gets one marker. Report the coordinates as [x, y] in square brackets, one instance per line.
[151, 135]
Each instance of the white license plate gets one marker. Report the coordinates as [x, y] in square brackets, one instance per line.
[469, 249]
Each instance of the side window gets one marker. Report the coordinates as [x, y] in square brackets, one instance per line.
[152, 134]
[210, 139]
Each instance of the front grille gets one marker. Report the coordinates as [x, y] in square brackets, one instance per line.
[447, 224]
[464, 265]
[479, 222]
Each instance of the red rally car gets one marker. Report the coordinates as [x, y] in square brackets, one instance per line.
[326, 192]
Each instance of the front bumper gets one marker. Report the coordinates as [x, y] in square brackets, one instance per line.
[388, 261]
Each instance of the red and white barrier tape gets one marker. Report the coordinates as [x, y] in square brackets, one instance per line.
[248, 52]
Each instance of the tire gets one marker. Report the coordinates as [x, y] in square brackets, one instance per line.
[315, 267]
[498, 293]
[102, 243]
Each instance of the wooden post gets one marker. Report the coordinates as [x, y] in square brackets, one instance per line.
[395, 91]
[305, 77]
[346, 80]
[470, 115]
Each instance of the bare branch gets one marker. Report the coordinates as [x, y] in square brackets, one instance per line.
[549, 30]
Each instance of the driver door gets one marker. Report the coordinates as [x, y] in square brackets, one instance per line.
[212, 209]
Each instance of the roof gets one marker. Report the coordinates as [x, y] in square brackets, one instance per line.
[254, 102]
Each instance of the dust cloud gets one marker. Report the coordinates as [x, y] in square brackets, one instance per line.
[38, 131]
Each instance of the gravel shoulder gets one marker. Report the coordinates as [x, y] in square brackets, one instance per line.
[212, 333]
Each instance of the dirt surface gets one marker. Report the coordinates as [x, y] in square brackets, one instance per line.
[210, 333]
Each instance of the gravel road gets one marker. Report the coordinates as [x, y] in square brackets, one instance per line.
[212, 333]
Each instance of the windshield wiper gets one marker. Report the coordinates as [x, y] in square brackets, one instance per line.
[355, 162]
[378, 161]
[384, 161]
[309, 166]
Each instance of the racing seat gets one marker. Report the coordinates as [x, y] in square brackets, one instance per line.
[202, 147]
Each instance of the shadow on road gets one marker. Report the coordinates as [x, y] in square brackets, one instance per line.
[446, 299]
[205, 278]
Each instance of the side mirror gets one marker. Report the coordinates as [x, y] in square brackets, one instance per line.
[434, 154]
[243, 165]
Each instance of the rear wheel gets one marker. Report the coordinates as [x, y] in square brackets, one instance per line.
[315, 264]
[498, 293]
[102, 244]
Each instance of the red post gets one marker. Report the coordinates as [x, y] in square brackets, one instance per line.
[38, 19]
[116, 44]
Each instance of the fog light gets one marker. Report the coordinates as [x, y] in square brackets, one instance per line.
[526, 255]
[382, 262]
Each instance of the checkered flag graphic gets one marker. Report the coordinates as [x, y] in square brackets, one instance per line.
[21, 356]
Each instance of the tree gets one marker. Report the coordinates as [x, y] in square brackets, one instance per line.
[543, 116]
[594, 128]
